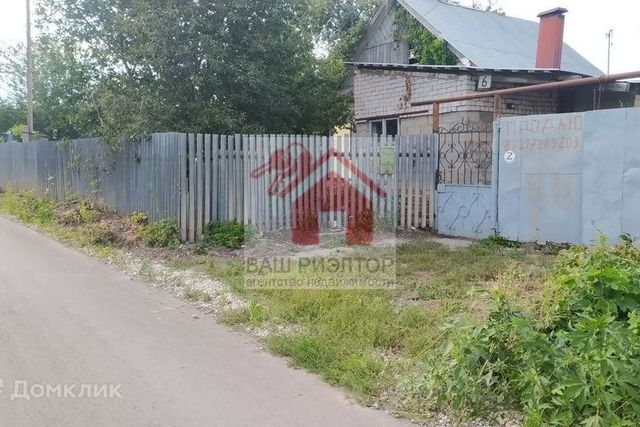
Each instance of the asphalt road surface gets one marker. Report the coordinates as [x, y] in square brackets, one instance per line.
[83, 345]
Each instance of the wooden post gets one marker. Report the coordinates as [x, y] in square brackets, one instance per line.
[497, 107]
[436, 117]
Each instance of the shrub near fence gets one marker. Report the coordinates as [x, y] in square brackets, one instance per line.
[198, 178]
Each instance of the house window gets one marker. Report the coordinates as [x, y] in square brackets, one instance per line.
[377, 128]
[391, 127]
[388, 127]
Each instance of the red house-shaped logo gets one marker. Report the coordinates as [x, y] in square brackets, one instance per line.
[330, 183]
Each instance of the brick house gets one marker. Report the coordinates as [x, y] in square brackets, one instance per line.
[493, 51]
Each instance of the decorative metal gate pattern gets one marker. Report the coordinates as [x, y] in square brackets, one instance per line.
[465, 211]
[464, 206]
[465, 154]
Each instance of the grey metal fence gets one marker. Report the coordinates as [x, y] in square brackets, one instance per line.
[198, 178]
[141, 176]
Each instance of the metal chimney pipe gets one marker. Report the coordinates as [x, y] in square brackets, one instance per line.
[551, 38]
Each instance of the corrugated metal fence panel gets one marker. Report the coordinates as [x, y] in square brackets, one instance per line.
[199, 178]
[142, 176]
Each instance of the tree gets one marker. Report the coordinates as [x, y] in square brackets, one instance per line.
[211, 66]
[426, 48]
[120, 68]
[340, 24]
[487, 6]
[62, 83]
[10, 115]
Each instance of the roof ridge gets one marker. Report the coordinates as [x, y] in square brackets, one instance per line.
[447, 3]
[488, 39]
[485, 12]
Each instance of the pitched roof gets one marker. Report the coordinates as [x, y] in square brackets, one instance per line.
[489, 40]
[455, 69]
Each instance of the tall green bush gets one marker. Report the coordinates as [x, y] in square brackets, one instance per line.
[575, 362]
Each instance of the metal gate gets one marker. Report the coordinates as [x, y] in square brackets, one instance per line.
[464, 192]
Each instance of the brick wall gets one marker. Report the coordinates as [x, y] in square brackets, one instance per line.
[387, 92]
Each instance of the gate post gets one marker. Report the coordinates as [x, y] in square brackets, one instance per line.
[184, 192]
[433, 180]
[495, 174]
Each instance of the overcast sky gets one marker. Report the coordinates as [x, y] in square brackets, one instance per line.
[587, 23]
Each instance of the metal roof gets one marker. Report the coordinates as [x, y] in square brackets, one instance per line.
[490, 40]
[461, 69]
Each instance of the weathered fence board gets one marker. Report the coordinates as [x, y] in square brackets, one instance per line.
[142, 176]
[228, 192]
[198, 178]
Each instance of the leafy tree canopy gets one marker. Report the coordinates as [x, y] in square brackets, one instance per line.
[426, 48]
[119, 68]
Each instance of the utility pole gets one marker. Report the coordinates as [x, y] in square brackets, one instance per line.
[609, 46]
[29, 132]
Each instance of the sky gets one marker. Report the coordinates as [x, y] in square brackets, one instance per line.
[586, 25]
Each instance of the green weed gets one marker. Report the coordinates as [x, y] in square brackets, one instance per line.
[372, 341]
[254, 315]
[498, 240]
[96, 234]
[358, 372]
[140, 218]
[232, 235]
[162, 234]
[28, 207]
[87, 213]
[575, 361]
[195, 294]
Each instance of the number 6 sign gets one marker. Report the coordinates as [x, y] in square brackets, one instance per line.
[484, 83]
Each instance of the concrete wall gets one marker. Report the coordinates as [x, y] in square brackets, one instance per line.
[391, 92]
[568, 177]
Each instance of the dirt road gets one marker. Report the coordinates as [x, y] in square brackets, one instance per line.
[83, 345]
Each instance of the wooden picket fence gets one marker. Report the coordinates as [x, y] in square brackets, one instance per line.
[217, 183]
[200, 178]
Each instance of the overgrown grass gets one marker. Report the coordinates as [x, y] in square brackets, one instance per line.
[75, 221]
[28, 208]
[436, 272]
[162, 234]
[231, 235]
[194, 294]
[380, 344]
[373, 341]
[574, 360]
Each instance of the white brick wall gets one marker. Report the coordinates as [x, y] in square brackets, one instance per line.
[381, 93]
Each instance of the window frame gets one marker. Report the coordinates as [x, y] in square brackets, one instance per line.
[384, 126]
